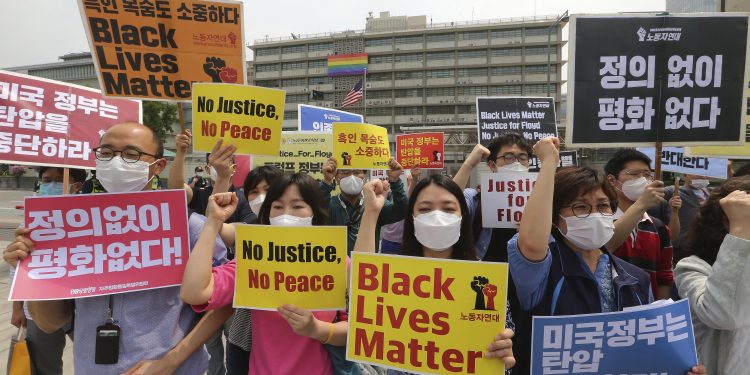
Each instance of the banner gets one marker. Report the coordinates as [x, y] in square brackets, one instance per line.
[304, 152]
[155, 50]
[636, 80]
[312, 118]
[423, 150]
[731, 152]
[425, 315]
[673, 159]
[99, 244]
[533, 118]
[504, 196]
[360, 146]
[654, 339]
[567, 159]
[50, 123]
[302, 266]
[248, 117]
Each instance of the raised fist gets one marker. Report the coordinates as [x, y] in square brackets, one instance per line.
[213, 67]
[490, 290]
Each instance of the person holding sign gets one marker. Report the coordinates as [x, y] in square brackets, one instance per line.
[437, 226]
[715, 278]
[291, 340]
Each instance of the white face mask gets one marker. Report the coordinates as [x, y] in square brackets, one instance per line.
[256, 203]
[699, 184]
[291, 221]
[118, 176]
[590, 232]
[437, 230]
[514, 167]
[352, 185]
[634, 188]
[213, 174]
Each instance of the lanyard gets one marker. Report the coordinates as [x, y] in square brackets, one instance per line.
[110, 311]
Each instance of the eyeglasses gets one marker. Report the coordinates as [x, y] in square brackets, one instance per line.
[583, 210]
[511, 157]
[638, 173]
[130, 155]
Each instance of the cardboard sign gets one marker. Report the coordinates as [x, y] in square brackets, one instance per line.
[360, 146]
[673, 159]
[676, 79]
[423, 150]
[155, 50]
[655, 339]
[302, 266]
[424, 315]
[533, 118]
[504, 196]
[304, 152]
[248, 117]
[312, 118]
[50, 123]
[567, 159]
[99, 244]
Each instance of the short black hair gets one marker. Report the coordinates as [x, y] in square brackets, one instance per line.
[743, 171]
[616, 164]
[268, 173]
[198, 169]
[76, 175]
[508, 139]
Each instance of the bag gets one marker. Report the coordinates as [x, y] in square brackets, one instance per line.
[19, 361]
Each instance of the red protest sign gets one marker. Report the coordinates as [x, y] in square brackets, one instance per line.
[44, 122]
[91, 245]
[423, 150]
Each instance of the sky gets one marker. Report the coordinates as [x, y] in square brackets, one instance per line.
[39, 31]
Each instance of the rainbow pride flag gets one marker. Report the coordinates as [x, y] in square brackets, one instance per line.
[347, 65]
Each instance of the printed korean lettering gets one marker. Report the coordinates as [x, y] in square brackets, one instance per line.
[706, 70]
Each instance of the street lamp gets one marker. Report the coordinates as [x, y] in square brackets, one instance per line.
[562, 18]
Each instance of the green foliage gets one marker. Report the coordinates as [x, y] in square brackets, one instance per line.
[159, 116]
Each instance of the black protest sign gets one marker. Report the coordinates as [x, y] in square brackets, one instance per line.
[534, 118]
[636, 80]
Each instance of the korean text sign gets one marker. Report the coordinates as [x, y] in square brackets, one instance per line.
[312, 118]
[652, 340]
[92, 245]
[155, 50]
[44, 122]
[534, 118]
[425, 315]
[504, 196]
[248, 117]
[673, 159]
[300, 152]
[302, 266]
[423, 150]
[360, 146]
[637, 80]
[567, 159]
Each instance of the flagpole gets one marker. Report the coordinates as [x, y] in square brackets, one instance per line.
[364, 96]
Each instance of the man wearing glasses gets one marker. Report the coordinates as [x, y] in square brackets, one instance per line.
[649, 245]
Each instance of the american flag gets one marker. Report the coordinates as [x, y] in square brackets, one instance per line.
[353, 96]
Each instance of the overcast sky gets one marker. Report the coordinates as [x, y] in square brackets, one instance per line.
[38, 31]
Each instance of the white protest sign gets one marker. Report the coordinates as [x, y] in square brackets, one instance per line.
[504, 196]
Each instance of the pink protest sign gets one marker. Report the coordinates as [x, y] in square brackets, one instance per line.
[91, 245]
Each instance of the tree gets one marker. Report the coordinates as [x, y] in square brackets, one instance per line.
[160, 117]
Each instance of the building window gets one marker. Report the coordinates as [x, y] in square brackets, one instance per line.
[473, 54]
[441, 91]
[317, 64]
[417, 39]
[379, 94]
[320, 47]
[293, 49]
[381, 59]
[379, 111]
[539, 69]
[408, 111]
[273, 83]
[440, 73]
[266, 51]
[409, 93]
[378, 42]
[474, 72]
[320, 80]
[294, 82]
[374, 77]
[441, 110]
[540, 50]
[472, 91]
[472, 35]
[290, 115]
[464, 109]
[416, 74]
[506, 52]
[506, 33]
[539, 88]
[447, 37]
[536, 31]
[294, 65]
[298, 98]
[441, 56]
[409, 57]
[267, 67]
[505, 70]
[504, 90]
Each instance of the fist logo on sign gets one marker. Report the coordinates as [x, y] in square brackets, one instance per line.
[218, 71]
[641, 34]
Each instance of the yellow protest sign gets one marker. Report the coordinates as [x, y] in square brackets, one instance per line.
[302, 266]
[300, 152]
[155, 50]
[425, 315]
[248, 117]
[360, 146]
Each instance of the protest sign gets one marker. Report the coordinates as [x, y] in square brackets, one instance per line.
[243, 166]
[155, 50]
[567, 159]
[673, 159]
[504, 196]
[532, 117]
[655, 339]
[304, 152]
[677, 79]
[731, 152]
[425, 315]
[312, 118]
[248, 117]
[50, 123]
[360, 146]
[302, 266]
[93, 245]
[423, 150]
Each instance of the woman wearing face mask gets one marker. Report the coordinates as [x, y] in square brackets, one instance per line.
[256, 185]
[438, 226]
[291, 340]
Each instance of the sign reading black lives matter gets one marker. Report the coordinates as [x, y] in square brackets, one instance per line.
[636, 80]
[534, 118]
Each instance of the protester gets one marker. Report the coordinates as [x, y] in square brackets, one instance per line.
[289, 341]
[198, 181]
[391, 234]
[649, 246]
[715, 278]
[346, 208]
[438, 226]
